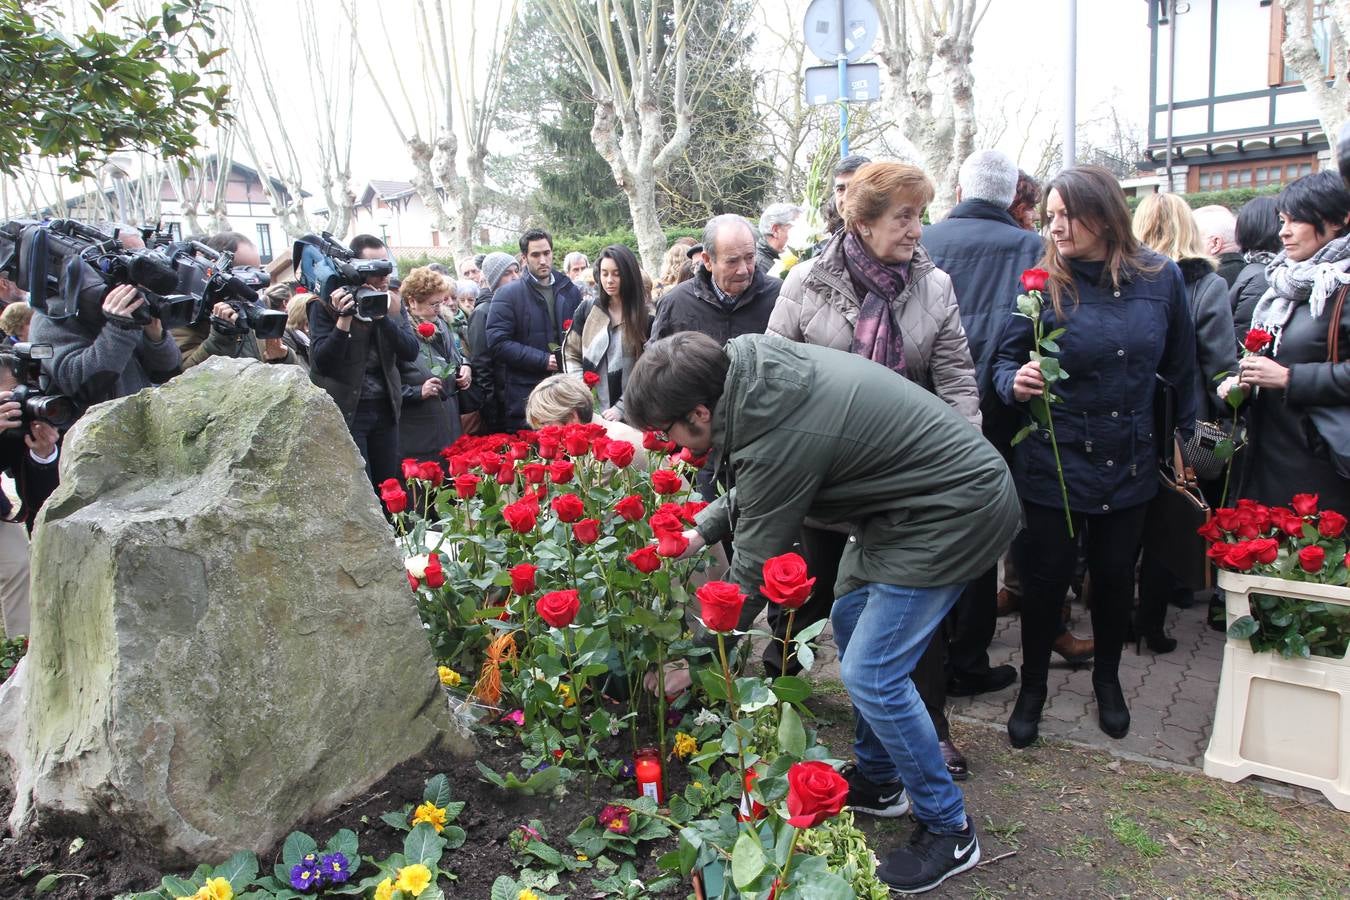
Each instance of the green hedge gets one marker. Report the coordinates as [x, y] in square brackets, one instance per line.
[563, 244]
[1233, 198]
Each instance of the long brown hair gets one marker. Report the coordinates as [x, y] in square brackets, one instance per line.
[1093, 198]
[632, 297]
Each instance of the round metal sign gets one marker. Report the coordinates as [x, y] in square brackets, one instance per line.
[828, 34]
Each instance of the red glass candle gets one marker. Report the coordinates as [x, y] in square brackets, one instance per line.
[647, 764]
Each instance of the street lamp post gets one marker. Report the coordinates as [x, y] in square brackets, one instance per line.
[382, 217]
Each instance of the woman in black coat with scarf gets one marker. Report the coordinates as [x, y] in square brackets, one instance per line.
[431, 403]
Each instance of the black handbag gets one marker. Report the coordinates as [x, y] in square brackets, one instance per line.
[1171, 524]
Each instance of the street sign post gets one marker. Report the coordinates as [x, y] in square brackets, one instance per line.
[840, 32]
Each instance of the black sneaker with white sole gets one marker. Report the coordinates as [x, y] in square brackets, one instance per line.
[888, 801]
[930, 859]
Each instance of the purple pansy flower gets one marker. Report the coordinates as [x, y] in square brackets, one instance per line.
[335, 868]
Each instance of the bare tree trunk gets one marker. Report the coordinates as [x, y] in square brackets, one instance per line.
[1331, 100]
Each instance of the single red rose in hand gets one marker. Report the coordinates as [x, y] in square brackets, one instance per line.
[410, 468]
[522, 515]
[559, 608]
[785, 581]
[466, 485]
[1267, 550]
[534, 472]
[522, 578]
[394, 497]
[1210, 531]
[568, 507]
[434, 574]
[645, 559]
[671, 544]
[426, 329]
[720, 605]
[1311, 559]
[1304, 504]
[1035, 279]
[1241, 556]
[592, 379]
[1330, 524]
[587, 531]
[816, 792]
[664, 481]
[1257, 340]
[621, 453]
[561, 471]
[630, 508]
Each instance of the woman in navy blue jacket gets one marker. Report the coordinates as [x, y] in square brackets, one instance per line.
[1127, 320]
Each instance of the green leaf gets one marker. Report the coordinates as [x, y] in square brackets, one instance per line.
[1049, 346]
[1050, 370]
[454, 837]
[1244, 627]
[47, 882]
[242, 868]
[297, 845]
[753, 694]
[178, 887]
[1223, 450]
[397, 820]
[1023, 434]
[423, 845]
[747, 859]
[1056, 334]
[437, 791]
[791, 689]
[791, 734]
[811, 632]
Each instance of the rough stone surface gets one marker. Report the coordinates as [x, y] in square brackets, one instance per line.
[223, 643]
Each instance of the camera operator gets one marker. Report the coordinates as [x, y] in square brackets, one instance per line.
[356, 361]
[204, 340]
[114, 357]
[29, 457]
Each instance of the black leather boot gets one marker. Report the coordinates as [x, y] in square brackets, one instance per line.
[1112, 714]
[1024, 724]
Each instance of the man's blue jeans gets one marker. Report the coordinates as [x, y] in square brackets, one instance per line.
[881, 631]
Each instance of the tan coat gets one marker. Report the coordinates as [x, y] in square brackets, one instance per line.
[819, 305]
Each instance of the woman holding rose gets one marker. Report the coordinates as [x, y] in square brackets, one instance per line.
[430, 416]
[1126, 322]
[1286, 370]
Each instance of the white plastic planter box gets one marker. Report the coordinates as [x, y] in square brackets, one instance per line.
[1284, 719]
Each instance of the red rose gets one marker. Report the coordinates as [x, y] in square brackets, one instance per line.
[690, 459]
[646, 560]
[434, 574]
[665, 521]
[1312, 559]
[600, 448]
[519, 450]
[720, 604]
[568, 507]
[1330, 524]
[587, 531]
[692, 508]
[507, 473]
[522, 578]
[394, 497]
[630, 508]
[1257, 340]
[489, 462]
[522, 515]
[567, 325]
[559, 608]
[1346, 561]
[1266, 550]
[671, 543]
[785, 581]
[466, 485]
[534, 472]
[1304, 504]
[459, 464]
[651, 441]
[1218, 553]
[548, 446]
[412, 580]
[560, 471]
[1292, 526]
[621, 453]
[426, 329]
[816, 792]
[1035, 279]
[410, 468]
[577, 442]
[592, 379]
[664, 481]
[431, 472]
[1241, 556]
[1228, 519]
[1210, 531]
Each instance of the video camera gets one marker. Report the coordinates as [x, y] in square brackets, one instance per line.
[239, 286]
[37, 405]
[324, 265]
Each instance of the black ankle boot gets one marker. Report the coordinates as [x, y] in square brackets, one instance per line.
[1025, 721]
[1112, 714]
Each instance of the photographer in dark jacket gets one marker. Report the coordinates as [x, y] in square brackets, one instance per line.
[356, 361]
[29, 457]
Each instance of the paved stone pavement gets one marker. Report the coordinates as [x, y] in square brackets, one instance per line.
[1171, 696]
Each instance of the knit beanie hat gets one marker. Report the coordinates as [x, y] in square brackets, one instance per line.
[494, 267]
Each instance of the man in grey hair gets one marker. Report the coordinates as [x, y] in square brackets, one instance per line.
[1218, 229]
[728, 295]
[774, 224]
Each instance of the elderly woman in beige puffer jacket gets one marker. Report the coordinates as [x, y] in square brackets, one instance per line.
[873, 290]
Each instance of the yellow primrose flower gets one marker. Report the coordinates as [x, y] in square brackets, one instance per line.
[685, 744]
[789, 261]
[430, 813]
[698, 784]
[527, 894]
[449, 677]
[565, 692]
[217, 889]
[582, 857]
[413, 880]
[384, 890]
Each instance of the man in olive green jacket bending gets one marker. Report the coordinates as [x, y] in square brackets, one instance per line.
[810, 431]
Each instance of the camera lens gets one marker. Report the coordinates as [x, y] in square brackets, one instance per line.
[56, 409]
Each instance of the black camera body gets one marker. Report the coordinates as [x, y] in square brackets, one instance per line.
[324, 265]
[36, 404]
[238, 286]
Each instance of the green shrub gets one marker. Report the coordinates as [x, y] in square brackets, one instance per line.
[1233, 198]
